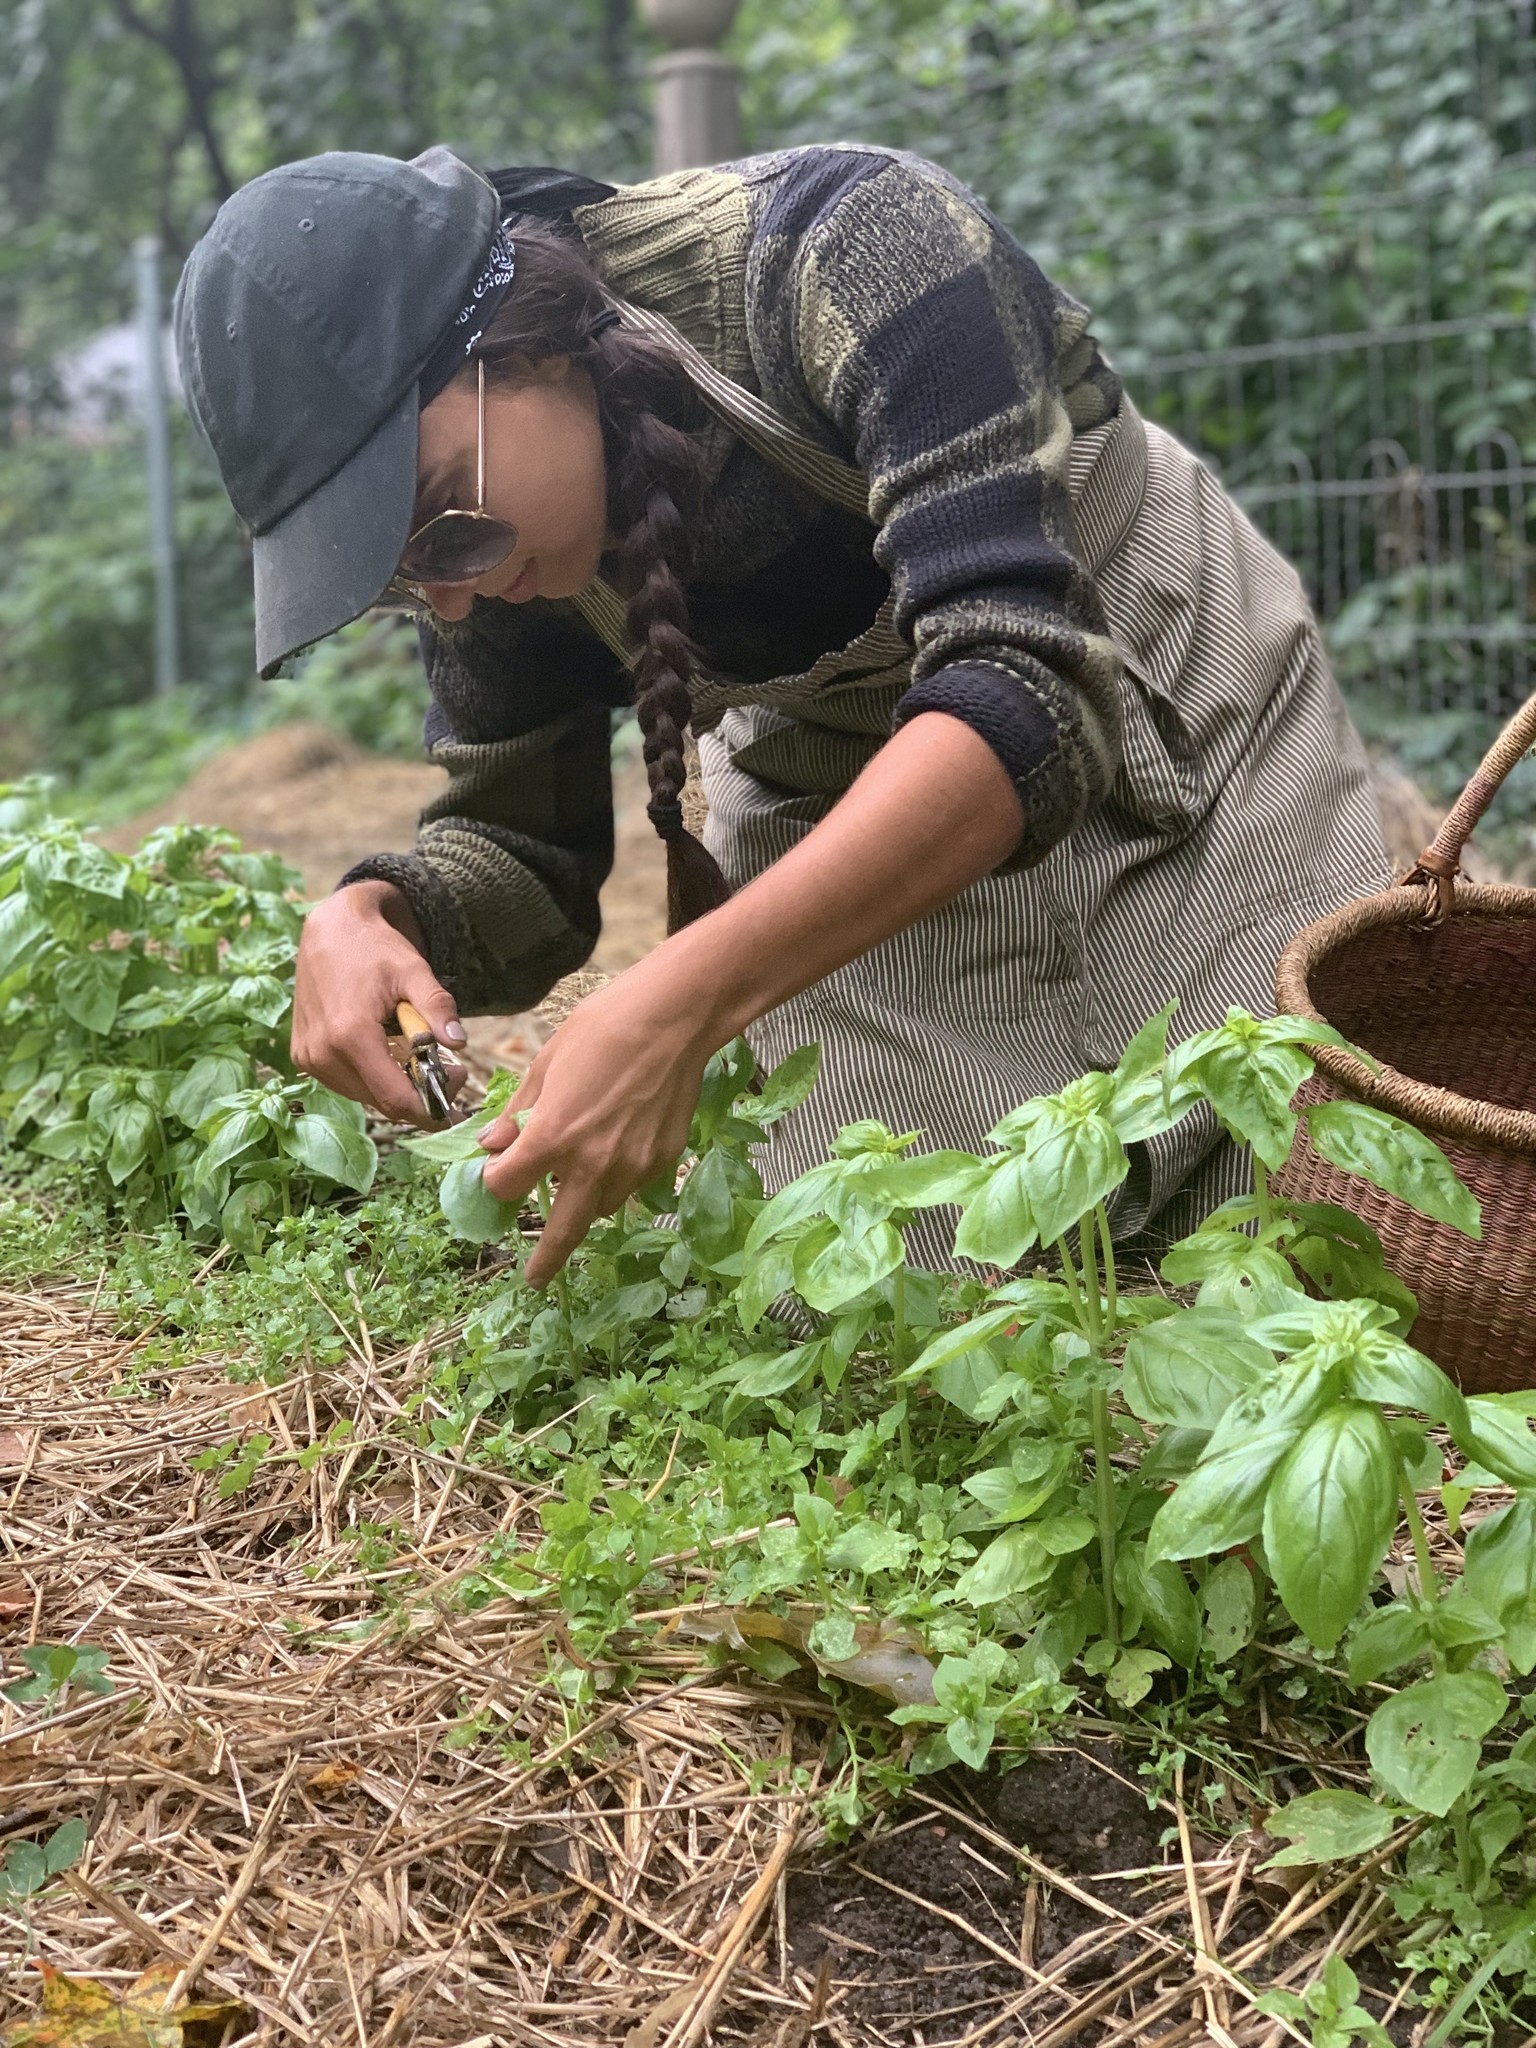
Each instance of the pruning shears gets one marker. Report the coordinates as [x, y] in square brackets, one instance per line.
[414, 1046]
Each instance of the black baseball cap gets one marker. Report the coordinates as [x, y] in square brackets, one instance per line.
[329, 300]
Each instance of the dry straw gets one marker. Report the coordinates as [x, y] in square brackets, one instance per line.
[286, 1803]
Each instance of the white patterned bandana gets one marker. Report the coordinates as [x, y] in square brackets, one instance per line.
[472, 319]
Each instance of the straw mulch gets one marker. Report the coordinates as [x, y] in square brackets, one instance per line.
[404, 1833]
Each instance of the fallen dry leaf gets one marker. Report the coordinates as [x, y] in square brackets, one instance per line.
[80, 2014]
[14, 1445]
[14, 1599]
[888, 1660]
[334, 1777]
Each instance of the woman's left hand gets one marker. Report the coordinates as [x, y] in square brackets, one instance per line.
[605, 1107]
[607, 1103]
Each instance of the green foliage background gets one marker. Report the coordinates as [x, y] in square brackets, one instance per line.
[1207, 176]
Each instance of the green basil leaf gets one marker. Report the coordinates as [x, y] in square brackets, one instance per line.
[1395, 1157]
[1386, 1369]
[1327, 1827]
[89, 987]
[1387, 1639]
[71, 1140]
[1073, 1162]
[1227, 1597]
[706, 1209]
[1158, 1597]
[1291, 1397]
[767, 1373]
[927, 1180]
[1233, 1272]
[1188, 1368]
[765, 1277]
[1499, 1573]
[869, 1546]
[1426, 1742]
[1016, 1562]
[134, 1129]
[1498, 1438]
[1221, 1503]
[459, 1141]
[972, 1335]
[1064, 1535]
[234, 1135]
[1011, 1496]
[831, 1268]
[1341, 1256]
[637, 1304]
[1329, 1516]
[803, 1198]
[241, 1217]
[1248, 1078]
[331, 1149]
[22, 927]
[972, 1384]
[785, 1088]
[473, 1212]
[262, 998]
[998, 1226]
[210, 1078]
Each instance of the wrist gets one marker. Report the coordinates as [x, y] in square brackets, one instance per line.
[383, 901]
[720, 976]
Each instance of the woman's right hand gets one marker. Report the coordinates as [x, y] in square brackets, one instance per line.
[361, 953]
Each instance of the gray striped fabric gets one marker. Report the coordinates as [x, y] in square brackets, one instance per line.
[1241, 812]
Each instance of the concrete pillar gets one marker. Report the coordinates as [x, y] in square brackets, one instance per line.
[698, 112]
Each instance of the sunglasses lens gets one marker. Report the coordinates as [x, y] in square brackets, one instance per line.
[457, 547]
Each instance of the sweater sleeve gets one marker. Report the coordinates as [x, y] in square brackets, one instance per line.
[508, 861]
[928, 339]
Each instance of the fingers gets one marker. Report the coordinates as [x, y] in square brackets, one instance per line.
[420, 986]
[572, 1214]
[508, 1126]
[369, 1075]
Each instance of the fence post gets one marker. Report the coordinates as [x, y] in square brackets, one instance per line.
[698, 109]
[157, 456]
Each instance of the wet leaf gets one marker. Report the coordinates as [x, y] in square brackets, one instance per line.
[77, 2013]
[887, 1659]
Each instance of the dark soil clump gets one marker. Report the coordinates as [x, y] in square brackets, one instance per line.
[931, 1923]
[935, 1926]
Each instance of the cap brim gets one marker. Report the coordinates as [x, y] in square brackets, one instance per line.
[329, 559]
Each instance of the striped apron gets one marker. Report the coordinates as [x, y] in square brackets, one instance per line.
[1241, 812]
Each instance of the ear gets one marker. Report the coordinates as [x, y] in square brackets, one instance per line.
[549, 370]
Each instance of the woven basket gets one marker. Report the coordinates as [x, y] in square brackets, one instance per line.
[1438, 983]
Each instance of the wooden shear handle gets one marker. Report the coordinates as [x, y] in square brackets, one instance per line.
[412, 1023]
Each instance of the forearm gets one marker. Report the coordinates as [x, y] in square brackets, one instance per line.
[606, 1104]
[933, 812]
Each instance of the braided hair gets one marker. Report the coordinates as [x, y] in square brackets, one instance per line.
[649, 415]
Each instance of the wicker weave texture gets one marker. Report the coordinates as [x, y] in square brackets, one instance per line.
[1450, 1012]
[1477, 1302]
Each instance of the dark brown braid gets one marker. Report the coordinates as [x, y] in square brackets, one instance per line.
[649, 416]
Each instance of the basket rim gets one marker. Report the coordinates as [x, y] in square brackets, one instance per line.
[1417, 1102]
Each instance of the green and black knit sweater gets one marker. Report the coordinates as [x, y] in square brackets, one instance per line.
[881, 310]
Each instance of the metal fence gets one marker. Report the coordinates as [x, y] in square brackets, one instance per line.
[1307, 229]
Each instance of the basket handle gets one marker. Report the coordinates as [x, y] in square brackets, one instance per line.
[1440, 863]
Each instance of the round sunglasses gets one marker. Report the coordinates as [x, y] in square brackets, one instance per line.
[457, 546]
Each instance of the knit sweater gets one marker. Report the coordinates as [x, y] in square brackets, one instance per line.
[884, 312]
